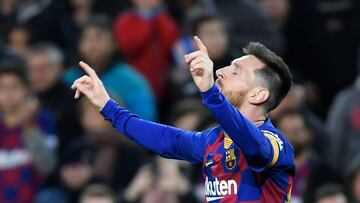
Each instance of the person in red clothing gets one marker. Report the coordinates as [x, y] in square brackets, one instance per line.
[145, 36]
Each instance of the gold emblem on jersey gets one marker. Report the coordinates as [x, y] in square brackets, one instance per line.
[230, 159]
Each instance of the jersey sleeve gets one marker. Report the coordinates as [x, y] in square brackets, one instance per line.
[282, 151]
[165, 140]
[259, 150]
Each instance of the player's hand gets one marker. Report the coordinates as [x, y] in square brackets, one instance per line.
[91, 86]
[201, 66]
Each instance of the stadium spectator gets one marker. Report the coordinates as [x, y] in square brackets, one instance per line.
[75, 174]
[212, 29]
[352, 180]
[247, 22]
[18, 39]
[27, 147]
[47, 20]
[151, 184]
[327, 26]
[45, 63]
[330, 193]
[344, 123]
[96, 47]
[278, 10]
[145, 35]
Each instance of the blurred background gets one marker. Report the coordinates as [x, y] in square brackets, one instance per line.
[55, 149]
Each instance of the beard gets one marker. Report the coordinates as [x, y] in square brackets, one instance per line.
[235, 99]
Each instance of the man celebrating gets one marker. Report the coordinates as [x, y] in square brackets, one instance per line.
[245, 159]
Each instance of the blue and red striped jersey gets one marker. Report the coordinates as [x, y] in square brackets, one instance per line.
[229, 177]
[241, 162]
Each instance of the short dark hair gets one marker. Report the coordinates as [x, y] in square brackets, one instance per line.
[16, 68]
[276, 73]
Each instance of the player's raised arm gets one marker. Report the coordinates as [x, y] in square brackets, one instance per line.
[165, 140]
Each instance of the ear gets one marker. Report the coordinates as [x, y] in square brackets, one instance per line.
[258, 95]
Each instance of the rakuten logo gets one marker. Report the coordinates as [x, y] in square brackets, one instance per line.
[216, 189]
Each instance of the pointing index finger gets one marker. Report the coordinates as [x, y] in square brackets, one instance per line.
[200, 45]
[88, 70]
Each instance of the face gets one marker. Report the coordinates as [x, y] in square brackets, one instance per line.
[292, 100]
[76, 175]
[146, 4]
[19, 39]
[213, 35]
[277, 9]
[43, 72]
[97, 200]
[339, 198]
[96, 45]
[238, 79]
[12, 92]
[294, 128]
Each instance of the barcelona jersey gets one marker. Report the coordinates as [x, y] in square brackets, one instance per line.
[241, 162]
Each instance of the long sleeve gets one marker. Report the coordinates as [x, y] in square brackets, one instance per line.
[165, 140]
[255, 146]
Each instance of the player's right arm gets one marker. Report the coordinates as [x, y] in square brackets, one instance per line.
[165, 140]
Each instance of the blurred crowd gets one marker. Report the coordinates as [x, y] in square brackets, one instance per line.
[57, 149]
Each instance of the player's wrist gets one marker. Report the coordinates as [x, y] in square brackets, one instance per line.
[206, 87]
[102, 103]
